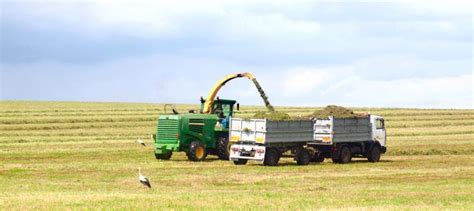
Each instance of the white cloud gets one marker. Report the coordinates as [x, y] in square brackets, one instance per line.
[413, 58]
[303, 80]
[343, 85]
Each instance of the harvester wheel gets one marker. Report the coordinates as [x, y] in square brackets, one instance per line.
[272, 156]
[165, 156]
[197, 151]
[240, 162]
[318, 157]
[223, 148]
[303, 157]
[374, 154]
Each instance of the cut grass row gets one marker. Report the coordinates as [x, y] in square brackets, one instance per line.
[106, 146]
[125, 118]
[452, 138]
[150, 128]
[100, 124]
[243, 111]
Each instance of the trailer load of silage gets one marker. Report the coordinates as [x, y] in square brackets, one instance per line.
[330, 110]
[337, 112]
[271, 115]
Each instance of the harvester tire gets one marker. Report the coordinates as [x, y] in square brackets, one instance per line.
[240, 162]
[317, 157]
[272, 156]
[196, 152]
[345, 155]
[374, 154]
[223, 148]
[165, 156]
[303, 157]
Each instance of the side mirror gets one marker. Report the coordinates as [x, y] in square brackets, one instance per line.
[238, 107]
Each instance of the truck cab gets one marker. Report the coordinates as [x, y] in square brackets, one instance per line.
[378, 131]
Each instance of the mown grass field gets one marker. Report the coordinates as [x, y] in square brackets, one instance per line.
[56, 155]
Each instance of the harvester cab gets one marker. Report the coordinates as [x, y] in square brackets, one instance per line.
[223, 109]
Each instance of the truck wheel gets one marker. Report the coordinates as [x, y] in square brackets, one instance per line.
[165, 156]
[317, 157]
[240, 162]
[345, 156]
[303, 157]
[374, 154]
[272, 156]
[223, 148]
[197, 151]
[335, 155]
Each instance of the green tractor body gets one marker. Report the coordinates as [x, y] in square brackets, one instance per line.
[196, 134]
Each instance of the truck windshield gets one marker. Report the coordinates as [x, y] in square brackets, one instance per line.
[379, 124]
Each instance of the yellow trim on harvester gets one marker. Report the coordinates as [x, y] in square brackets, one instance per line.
[213, 93]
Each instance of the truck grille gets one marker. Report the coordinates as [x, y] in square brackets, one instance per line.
[167, 130]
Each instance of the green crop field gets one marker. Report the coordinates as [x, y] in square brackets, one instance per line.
[56, 155]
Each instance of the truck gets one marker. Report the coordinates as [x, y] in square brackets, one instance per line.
[307, 141]
[200, 133]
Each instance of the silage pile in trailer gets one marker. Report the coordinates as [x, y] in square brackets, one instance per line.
[330, 110]
[273, 115]
[337, 112]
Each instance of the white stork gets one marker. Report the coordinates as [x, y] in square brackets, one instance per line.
[140, 141]
[144, 180]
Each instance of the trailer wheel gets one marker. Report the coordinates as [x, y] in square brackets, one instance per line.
[197, 151]
[272, 156]
[345, 156]
[374, 154]
[223, 148]
[240, 162]
[317, 157]
[303, 157]
[165, 156]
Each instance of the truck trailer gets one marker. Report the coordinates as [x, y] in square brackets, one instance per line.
[307, 141]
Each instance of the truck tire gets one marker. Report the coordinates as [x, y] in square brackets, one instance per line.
[317, 157]
[345, 155]
[336, 154]
[240, 162]
[223, 148]
[196, 152]
[374, 154]
[272, 156]
[303, 157]
[165, 156]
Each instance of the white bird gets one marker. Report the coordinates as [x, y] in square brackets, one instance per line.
[144, 180]
[140, 141]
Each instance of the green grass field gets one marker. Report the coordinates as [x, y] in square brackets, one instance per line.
[56, 155]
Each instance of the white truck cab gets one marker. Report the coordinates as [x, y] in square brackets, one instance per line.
[378, 131]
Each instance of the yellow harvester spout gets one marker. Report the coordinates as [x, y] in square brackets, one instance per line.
[212, 95]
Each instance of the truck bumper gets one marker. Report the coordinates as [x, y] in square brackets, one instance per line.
[247, 152]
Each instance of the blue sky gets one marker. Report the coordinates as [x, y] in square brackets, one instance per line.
[304, 53]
